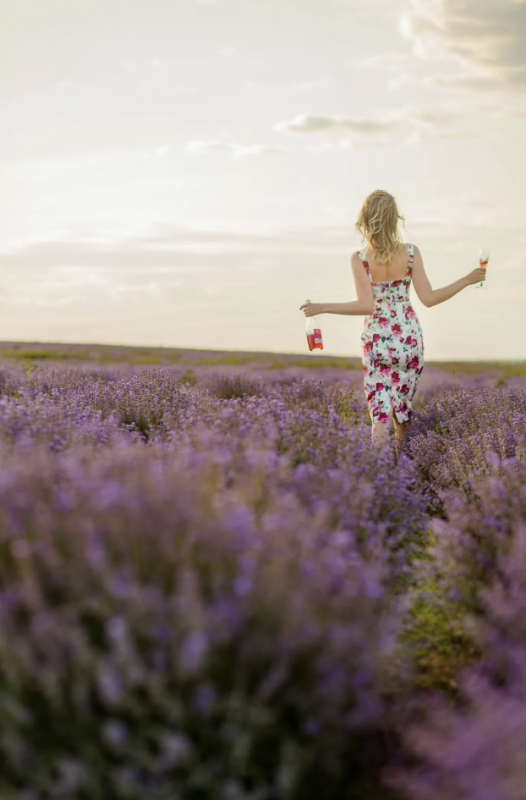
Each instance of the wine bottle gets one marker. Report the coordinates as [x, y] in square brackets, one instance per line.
[313, 331]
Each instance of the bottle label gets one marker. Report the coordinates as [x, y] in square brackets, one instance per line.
[314, 340]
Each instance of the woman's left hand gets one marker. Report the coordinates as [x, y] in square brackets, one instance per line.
[311, 309]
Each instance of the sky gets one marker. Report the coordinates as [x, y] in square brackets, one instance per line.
[186, 173]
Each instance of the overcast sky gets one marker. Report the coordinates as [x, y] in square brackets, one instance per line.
[187, 172]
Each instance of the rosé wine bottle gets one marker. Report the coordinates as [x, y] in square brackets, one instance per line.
[313, 331]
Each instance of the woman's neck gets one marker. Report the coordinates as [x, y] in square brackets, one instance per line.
[369, 251]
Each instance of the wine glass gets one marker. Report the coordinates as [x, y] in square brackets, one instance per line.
[483, 261]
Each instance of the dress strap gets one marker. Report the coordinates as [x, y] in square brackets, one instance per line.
[410, 257]
[365, 263]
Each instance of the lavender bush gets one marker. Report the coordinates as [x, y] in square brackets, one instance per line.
[197, 593]
[461, 433]
[161, 634]
[474, 748]
[212, 585]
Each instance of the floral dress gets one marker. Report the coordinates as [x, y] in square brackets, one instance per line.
[393, 348]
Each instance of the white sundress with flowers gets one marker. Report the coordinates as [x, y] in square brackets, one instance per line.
[393, 348]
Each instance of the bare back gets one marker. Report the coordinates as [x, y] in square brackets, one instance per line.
[393, 271]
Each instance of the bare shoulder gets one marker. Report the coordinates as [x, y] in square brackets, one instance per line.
[356, 263]
[355, 259]
[417, 254]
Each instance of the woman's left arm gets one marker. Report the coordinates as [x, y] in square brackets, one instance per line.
[363, 305]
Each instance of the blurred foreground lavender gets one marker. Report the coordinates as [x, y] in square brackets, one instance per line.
[213, 587]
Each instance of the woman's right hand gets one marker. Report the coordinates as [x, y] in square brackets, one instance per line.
[476, 275]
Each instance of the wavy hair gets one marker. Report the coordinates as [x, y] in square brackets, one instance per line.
[377, 224]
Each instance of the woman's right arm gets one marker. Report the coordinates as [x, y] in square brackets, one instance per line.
[362, 306]
[431, 297]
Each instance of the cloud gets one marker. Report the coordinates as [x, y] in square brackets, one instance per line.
[305, 123]
[166, 249]
[170, 262]
[159, 266]
[410, 124]
[408, 70]
[485, 38]
[176, 251]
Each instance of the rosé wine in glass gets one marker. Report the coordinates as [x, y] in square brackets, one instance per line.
[483, 262]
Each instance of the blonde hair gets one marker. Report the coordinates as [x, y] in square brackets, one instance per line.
[377, 224]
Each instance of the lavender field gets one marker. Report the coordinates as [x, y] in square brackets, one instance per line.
[214, 588]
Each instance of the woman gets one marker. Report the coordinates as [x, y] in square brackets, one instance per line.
[392, 340]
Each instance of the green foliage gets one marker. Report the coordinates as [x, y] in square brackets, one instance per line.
[504, 369]
[347, 407]
[37, 355]
[189, 378]
[437, 630]
[148, 360]
[226, 359]
[439, 640]
[230, 386]
[316, 362]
